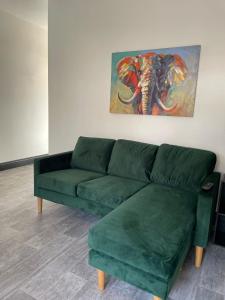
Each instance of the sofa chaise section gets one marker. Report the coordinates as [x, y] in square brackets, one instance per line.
[146, 239]
[143, 241]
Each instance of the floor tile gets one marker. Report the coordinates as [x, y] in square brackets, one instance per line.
[46, 257]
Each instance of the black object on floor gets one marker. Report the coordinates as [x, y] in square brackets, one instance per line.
[220, 218]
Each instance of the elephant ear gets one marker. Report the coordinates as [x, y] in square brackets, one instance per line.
[178, 71]
[127, 69]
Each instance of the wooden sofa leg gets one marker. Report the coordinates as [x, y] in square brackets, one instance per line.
[156, 298]
[39, 205]
[198, 256]
[101, 280]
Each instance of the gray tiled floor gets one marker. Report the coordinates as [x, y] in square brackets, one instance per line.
[45, 257]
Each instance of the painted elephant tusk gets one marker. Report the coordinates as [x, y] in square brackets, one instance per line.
[130, 100]
[163, 105]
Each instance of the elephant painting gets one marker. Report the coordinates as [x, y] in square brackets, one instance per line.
[154, 83]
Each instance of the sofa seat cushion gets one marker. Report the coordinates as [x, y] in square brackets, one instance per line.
[182, 167]
[109, 190]
[132, 160]
[149, 231]
[92, 154]
[65, 181]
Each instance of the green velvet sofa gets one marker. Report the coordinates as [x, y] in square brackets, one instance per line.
[154, 209]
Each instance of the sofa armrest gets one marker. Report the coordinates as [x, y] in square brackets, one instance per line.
[206, 207]
[52, 163]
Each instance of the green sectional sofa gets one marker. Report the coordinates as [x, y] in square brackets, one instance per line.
[152, 202]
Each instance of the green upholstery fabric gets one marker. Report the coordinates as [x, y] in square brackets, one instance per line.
[144, 280]
[74, 202]
[109, 190]
[65, 181]
[145, 239]
[148, 230]
[50, 163]
[92, 154]
[182, 167]
[128, 273]
[205, 211]
[132, 159]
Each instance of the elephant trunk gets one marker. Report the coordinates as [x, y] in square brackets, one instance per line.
[145, 98]
[146, 84]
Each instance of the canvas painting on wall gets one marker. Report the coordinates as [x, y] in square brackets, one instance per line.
[155, 82]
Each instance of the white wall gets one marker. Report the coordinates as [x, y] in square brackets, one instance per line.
[23, 89]
[82, 36]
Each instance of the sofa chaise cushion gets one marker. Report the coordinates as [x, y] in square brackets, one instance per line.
[92, 154]
[182, 167]
[149, 231]
[132, 159]
[109, 190]
[64, 181]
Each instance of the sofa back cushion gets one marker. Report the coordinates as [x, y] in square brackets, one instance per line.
[182, 167]
[92, 154]
[132, 159]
